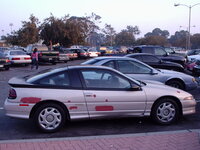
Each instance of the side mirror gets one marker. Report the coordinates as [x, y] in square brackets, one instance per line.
[135, 87]
[153, 72]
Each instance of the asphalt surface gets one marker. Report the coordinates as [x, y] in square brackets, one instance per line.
[11, 128]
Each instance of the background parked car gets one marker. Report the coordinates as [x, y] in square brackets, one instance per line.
[196, 70]
[193, 52]
[63, 55]
[82, 54]
[4, 62]
[87, 92]
[194, 57]
[160, 52]
[156, 62]
[45, 55]
[141, 71]
[18, 57]
[92, 52]
[171, 51]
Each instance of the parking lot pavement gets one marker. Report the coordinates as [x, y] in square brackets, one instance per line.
[178, 140]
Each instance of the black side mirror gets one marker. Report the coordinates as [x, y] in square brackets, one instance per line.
[135, 87]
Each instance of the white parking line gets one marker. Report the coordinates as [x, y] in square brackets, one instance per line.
[1, 108]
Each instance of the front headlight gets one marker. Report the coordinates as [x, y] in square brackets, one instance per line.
[193, 80]
[189, 98]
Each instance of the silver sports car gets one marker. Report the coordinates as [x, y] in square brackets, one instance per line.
[85, 92]
[141, 71]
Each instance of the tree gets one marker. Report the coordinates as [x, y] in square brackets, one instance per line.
[124, 38]
[179, 39]
[158, 32]
[53, 31]
[109, 33]
[195, 41]
[127, 36]
[153, 40]
[28, 34]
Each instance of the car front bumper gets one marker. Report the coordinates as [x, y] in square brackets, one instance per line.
[188, 106]
[191, 86]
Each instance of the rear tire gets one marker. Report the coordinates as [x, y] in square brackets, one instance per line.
[166, 111]
[50, 117]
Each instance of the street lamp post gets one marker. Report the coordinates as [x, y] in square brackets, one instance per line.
[190, 7]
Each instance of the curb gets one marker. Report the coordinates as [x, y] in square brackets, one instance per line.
[103, 136]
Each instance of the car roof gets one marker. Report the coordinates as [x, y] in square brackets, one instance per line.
[139, 54]
[147, 46]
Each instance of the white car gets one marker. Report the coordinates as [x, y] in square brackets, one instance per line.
[18, 57]
[194, 57]
[91, 92]
[92, 52]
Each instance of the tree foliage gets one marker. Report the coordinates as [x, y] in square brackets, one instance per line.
[127, 36]
[158, 32]
[110, 33]
[28, 34]
[179, 39]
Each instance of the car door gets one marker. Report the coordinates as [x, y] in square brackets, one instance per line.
[137, 70]
[152, 61]
[66, 87]
[108, 94]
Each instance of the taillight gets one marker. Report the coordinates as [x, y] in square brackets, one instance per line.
[12, 94]
[15, 58]
[27, 58]
[7, 60]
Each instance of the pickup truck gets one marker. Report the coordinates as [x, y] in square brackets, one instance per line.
[44, 55]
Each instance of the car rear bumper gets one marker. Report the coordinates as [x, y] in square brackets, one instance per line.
[21, 62]
[17, 110]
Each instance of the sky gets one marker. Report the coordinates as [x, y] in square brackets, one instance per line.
[146, 14]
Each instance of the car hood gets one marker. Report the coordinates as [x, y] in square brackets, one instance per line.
[172, 57]
[173, 73]
[156, 89]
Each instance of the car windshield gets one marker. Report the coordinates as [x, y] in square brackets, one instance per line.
[17, 53]
[169, 50]
[2, 55]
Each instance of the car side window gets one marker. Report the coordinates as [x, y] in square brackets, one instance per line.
[148, 50]
[132, 67]
[61, 79]
[138, 58]
[103, 79]
[150, 59]
[109, 64]
[160, 51]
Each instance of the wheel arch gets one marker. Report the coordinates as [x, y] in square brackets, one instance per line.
[36, 106]
[176, 79]
[175, 99]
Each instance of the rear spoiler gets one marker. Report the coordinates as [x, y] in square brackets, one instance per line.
[18, 82]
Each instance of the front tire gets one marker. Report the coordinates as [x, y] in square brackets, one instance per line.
[166, 111]
[50, 117]
[177, 84]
